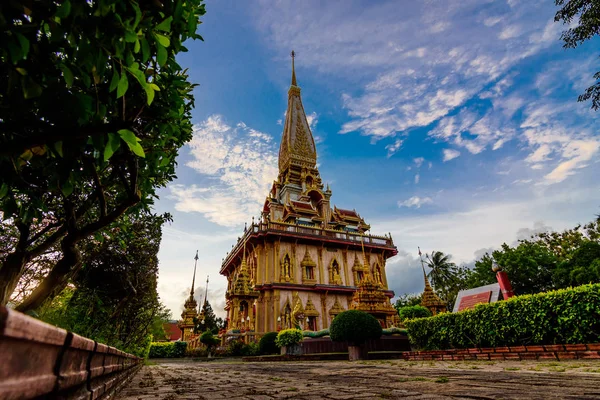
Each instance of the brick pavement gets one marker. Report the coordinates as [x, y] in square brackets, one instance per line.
[184, 379]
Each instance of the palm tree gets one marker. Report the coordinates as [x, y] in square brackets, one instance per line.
[443, 271]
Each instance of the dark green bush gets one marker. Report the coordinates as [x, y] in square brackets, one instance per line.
[235, 348]
[267, 345]
[355, 327]
[410, 312]
[167, 349]
[563, 316]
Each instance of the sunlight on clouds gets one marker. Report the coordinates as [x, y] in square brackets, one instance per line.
[242, 162]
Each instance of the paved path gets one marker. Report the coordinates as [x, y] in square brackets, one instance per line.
[179, 380]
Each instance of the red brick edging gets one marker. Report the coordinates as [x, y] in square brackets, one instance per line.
[41, 360]
[538, 352]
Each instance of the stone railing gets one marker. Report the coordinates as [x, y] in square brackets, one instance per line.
[40, 360]
[305, 230]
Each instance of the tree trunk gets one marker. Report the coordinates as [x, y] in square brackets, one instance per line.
[57, 279]
[357, 353]
[11, 271]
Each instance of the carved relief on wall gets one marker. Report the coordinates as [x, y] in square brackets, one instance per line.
[334, 273]
[287, 272]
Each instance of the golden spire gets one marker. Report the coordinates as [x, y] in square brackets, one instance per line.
[293, 69]
[297, 146]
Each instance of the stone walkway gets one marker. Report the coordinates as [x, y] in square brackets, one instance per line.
[232, 380]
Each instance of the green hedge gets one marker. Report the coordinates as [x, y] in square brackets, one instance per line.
[167, 349]
[563, 316]
[410, 312]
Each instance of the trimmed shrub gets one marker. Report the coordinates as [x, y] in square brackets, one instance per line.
[209, 339]
[568, 316]
[355, 327]
[167, 349]
[411, 312]
[289, 337]
[267, 344]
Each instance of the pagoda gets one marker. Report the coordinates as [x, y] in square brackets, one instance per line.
[190, 312]
[372, 299]
[429, 299]
[303, 253]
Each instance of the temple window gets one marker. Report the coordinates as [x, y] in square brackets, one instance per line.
[310, 272]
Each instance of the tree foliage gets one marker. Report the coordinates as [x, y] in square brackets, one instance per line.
[208, 320]
[416, 311]
[113, 297]
[446, 277]
[407, 300]
[93, 110]
[585, 16]
[546, 261]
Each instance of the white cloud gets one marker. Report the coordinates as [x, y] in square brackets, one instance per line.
[450, 154]
[419, 161]
[240, 164]
[415, 202]
[417, 178]
[394, 147]
[469, 225]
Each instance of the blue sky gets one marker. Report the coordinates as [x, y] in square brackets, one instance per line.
[453, 125]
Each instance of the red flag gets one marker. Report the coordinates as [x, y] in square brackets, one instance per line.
[419, 251]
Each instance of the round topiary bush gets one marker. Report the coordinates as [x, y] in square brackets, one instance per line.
[289, 337]
[410, 312]
[267, 344]
[355, 327]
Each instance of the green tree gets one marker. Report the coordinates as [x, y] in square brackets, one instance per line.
[93, 110]
[586, 15]
[443, 271]
[416, 311]
[209, 321]
[581, 268]
[113, 297]
[529, 267]
[407, 300]
[209, 340]
[445, 276]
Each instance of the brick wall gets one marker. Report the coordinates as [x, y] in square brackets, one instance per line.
[547, 352]
[40, 360]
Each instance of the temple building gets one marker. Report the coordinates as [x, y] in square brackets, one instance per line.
[304, 261]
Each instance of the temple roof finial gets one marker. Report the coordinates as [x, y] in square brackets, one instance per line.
[194, 278]
[293, 54]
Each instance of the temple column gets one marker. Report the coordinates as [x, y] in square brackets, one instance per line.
[324, 316]
[347, 281]
[321, 269]
[383, 272]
